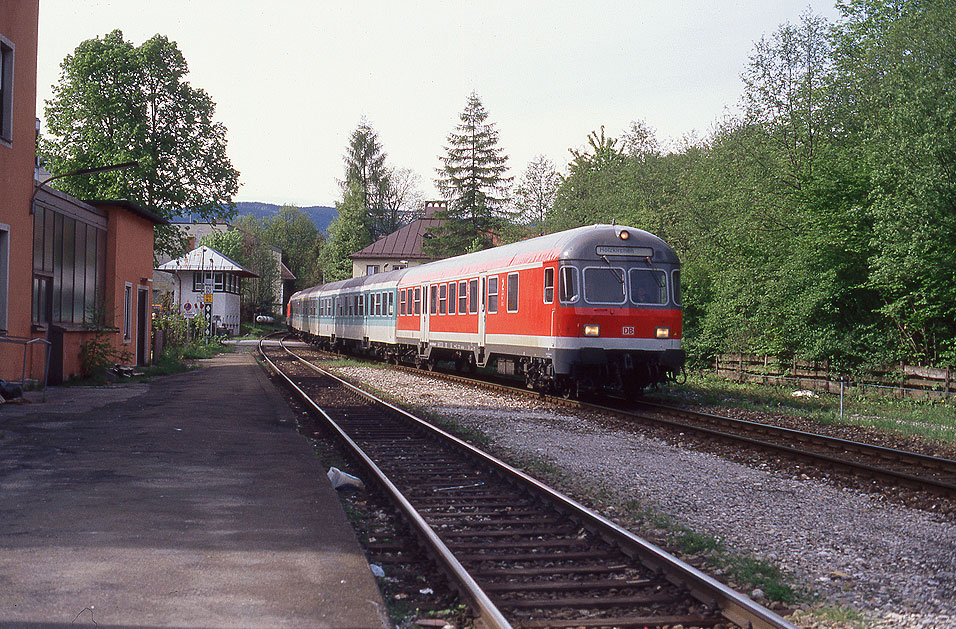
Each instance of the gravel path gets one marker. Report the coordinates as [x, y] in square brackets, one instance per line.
[898, 566]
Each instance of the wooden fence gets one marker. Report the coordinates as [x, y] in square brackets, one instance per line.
[900, 380]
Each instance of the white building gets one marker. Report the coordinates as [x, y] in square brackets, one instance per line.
[194, 273]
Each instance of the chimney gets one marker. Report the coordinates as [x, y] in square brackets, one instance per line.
[432, 207]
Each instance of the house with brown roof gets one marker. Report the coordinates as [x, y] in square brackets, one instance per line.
[400, 249]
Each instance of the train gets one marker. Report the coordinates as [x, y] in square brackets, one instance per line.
[595, 309]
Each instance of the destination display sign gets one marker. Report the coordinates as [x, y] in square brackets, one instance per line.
[642, 252]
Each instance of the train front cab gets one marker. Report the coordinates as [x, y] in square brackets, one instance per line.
[618, 324]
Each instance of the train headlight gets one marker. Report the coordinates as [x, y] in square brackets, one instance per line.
[592, 329]
[623, 234]
[662, 333]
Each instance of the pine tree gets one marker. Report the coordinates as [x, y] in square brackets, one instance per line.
[473, 180]
[365, 169]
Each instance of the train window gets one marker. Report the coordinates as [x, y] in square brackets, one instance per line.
[676, 284]
[341, 306]
[443, 299]
[451, 298]
[462, 298]
[604, 285]
[648, 286]
[568, 287]
[401, 302]
[378, 304]
[472, 296]
[549, 286]
[391, 303]
[433, 299]
[512, 292]
[418, 300]
[493, 294]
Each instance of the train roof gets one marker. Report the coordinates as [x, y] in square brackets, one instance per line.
[582, 243]
[592, 242]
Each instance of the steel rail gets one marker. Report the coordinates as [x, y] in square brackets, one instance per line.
[734, 606]
[488, 614]
[923, 460]
[937, 486]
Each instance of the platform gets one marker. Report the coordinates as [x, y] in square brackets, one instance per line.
[190, 501]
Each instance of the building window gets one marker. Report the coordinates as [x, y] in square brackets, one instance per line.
[69, 267]
[6, 90]
[371, 269]
[220, 282]
[128, 312]
[512, 292]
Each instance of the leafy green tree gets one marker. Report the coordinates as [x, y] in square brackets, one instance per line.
[116, 102]
[230, 243]
[291, 231]
[897, 83]
[595, 190]
[473, 180]
[348, 233]
[259, 294]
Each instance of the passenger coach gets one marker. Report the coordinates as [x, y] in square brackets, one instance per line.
[588, 309]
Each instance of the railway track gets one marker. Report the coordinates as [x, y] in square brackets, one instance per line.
[520, 553]
[890, 467]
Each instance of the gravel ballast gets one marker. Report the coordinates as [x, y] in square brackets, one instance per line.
[896, 565]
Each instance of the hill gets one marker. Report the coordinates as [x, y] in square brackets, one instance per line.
[320, 215]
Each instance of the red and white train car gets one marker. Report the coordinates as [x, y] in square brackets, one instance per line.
[588, 309]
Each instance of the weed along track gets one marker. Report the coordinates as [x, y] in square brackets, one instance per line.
[519, 553]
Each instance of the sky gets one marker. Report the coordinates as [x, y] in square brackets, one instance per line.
[292, 79]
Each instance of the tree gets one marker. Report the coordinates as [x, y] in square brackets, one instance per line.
[244, 244]
[594, 191]
[116, 103]
[291, 231]
[896, 70]
[536, 192]
[473, 180]
[365, 170]
[348, 233]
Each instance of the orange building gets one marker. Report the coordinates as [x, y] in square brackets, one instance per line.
[64, 264]
[18, 82]
[92, 272]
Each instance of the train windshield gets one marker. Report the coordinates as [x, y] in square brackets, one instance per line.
[604, 285]
[648, 286]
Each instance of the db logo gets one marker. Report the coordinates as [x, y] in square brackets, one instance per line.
[627, 330]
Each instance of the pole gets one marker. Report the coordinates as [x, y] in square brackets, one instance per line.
[842, 381]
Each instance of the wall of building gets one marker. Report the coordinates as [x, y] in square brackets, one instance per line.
[129, 262]
[360, 267]
[18, 26]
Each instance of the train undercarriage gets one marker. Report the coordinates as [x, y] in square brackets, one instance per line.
[584, 372]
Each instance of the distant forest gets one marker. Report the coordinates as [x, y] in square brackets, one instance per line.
[320, 215]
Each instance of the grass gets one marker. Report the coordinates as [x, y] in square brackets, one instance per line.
[934, 420]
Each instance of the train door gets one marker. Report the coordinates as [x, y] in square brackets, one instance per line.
[426, 303]
[482, 279]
